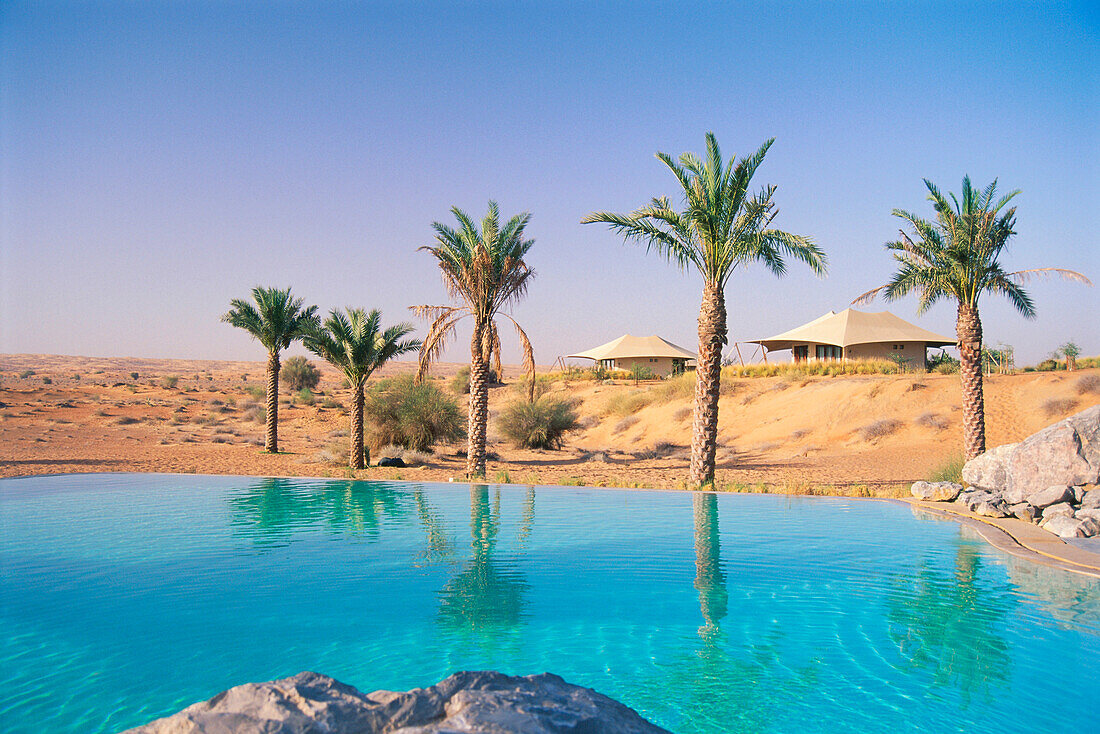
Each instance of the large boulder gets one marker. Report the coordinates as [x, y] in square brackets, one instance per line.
[1091, 500]
[1051, 496]
[310, 703]
[1066, 453]
[989, 470]
[1067, 526]
[936, 491]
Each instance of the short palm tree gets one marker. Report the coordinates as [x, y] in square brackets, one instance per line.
[955, 257]
[276, 320]
[354, 342]
[722, 226]
[484, 268]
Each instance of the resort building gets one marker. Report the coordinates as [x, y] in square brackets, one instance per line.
[850, 335]
[661, 357]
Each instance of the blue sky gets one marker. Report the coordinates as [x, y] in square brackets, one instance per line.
[158, 159]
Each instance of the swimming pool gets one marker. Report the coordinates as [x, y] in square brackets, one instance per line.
[125, 597]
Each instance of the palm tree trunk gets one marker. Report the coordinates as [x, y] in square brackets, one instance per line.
[355, 456]
[968, 329]
[272, 443]
[479, 405]
[704, 426]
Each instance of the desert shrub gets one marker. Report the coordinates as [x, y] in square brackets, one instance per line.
[305, 396]
[680, 387]
[460, 383]
[330, 403]
[659, 450]
[538, 425]
[76, 376]
[880, 428]
[947, 368]
[133, 375]
[628, 403]
[931, 420]
[409, 456]
[257, 392]
[27, 373]
[542, 385]
[1087, 384]
[1058, 406]
[403, 413]
[682, 414]
[256, 413]
[625, 423]
[47, 381]
[298, 373]
[950, 471]
[814, 368]
[639, 371]
[127, 420]
[169, 382]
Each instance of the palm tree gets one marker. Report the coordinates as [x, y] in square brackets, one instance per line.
[276, 320]
[485, 270]
[722, 226]
[956, 258]
[354, 342]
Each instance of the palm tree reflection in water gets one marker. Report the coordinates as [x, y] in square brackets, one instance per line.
[488, 594]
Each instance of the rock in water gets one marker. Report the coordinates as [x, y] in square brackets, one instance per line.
[936, 491]
[310, 703]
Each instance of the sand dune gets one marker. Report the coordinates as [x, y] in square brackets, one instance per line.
[865, 433]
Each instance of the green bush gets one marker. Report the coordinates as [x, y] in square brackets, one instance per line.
[47, 381]
[820, 368]
[950, 471]
[400, 412]
[460, 383]
[628, 403]
[305, 396]
[639, 371]
[539, 424]
[169, 382]
[947, 368]
[299, 373]
[26, 373]
[257, 392]
[133, 375]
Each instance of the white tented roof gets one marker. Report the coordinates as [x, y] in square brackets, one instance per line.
[854, 327]
[627, 346]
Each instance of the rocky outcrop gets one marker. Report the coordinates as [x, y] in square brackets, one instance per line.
[311, 703]
[1049, 478]
[936, 491]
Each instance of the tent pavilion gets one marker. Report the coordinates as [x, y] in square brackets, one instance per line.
[858, 335]
[662, 357]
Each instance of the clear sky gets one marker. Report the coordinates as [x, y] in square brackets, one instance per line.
[160, 158]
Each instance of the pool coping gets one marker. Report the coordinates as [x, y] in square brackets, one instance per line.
[1018, 538]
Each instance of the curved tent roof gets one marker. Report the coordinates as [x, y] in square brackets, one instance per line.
[627, 346]
[854, 327]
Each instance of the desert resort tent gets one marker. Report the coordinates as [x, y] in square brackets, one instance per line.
[662, 357]
[857, 335]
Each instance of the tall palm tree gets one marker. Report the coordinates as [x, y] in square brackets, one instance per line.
[721, 227]
[354, 342]
[955, 257]
[276, 320]
[483, 267]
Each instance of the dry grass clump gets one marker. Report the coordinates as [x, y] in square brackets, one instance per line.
[127, 420]
[1087, 383]
[950, 471]
[659, 450]
[682, 414]
[680, 387]
[815, 368]
[254, 412]
[795, 435]
[931, 420]
[794, 487]
[625, 423]
[1058, 406]
[411, 457]
[879, 429]
[628, 403]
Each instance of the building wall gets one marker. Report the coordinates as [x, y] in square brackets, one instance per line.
[660, 366]
[915, 352]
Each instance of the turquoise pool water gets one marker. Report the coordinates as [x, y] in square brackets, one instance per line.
[126, 597]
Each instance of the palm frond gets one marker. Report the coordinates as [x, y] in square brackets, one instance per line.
[1026, 276]
[528, 357]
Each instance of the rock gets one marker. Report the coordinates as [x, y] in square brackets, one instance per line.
[989, 470]
[1051, 496]
[1024, 511]
[310, 703]
[1066, 526]
[396, 461]
[1082, 514]
[1066, 453]
[1091, 500]
[936, 491]
[992, 508]
[1062, 508]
